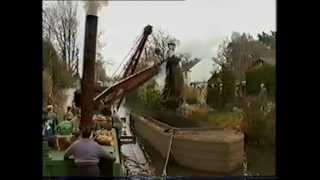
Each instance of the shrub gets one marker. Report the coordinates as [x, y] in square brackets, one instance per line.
[265, 74]
[149, 95]
[228, 88]
[225, 119]
[260, 127]
[56, 76]
[214, 100]
[217, 100]
[191, 95]
[46, 86]
[198, 113]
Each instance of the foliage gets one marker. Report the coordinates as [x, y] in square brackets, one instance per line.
[146, 97]
[214, 99]
[61, 76]
[265, 74]
[260, 127]
[268, 39]
[225, 119]
[46, 86]
[158, 45]
[150, 95]
[235, 57]
[217, 99]
[197, 113]
[56, 76]
[60, 27]
[228, 82]
[240, 52]
[190, 95]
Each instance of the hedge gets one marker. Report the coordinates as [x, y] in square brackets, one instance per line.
[265, 74]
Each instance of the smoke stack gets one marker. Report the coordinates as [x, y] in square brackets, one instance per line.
[93, 6]
[87, 83]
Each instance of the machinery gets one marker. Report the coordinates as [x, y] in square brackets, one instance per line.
[90, 98]
[129, 80]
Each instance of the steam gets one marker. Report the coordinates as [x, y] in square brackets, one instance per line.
[69, 93]
[93, 6]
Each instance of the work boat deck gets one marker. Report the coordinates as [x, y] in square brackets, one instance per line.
[136, 162]
[205, 149]
[55, 165]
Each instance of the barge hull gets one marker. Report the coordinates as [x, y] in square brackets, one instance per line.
[211, 150]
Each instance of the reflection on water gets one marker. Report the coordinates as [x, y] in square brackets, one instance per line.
[261, 161]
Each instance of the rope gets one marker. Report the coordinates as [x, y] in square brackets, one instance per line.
[164, 172]
[135, 45]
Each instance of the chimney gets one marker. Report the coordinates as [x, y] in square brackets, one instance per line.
[88, 75]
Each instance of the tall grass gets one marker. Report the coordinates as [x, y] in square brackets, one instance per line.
[260, 127]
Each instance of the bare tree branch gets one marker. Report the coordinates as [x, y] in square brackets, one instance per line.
[61, 27]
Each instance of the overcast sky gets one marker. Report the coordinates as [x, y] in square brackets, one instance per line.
[200, 25]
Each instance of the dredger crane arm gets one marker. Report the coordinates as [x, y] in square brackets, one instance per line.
[123, 87]
[130, 80]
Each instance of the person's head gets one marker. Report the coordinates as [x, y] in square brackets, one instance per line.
[49, 108]
[262, 85]
[86, 133]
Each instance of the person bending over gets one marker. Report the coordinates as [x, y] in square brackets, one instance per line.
[87, 153]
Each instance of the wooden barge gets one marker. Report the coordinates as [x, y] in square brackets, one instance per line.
[205, 149]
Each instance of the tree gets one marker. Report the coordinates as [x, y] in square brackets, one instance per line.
[157, 46]
[228, 82]
[60, 26]
[238, 54]
[268, 39]
[56, 76]
[150, 95]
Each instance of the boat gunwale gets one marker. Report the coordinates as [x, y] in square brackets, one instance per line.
[163, 126]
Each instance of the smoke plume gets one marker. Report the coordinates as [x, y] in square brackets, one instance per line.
[69, 93]
[92, 6]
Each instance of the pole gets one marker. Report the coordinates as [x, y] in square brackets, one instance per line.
[87, 83]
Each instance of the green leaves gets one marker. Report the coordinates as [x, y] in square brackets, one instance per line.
[268, 39]
[265, 74]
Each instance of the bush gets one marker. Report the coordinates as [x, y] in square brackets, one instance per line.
[260, 127]
[146, 97]
[46, 86]
[228, 88]
[265, 74]
[214, 100]
[191, 95]
[225, 119]
[56, 76]
[217, 100]
[198, 113]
